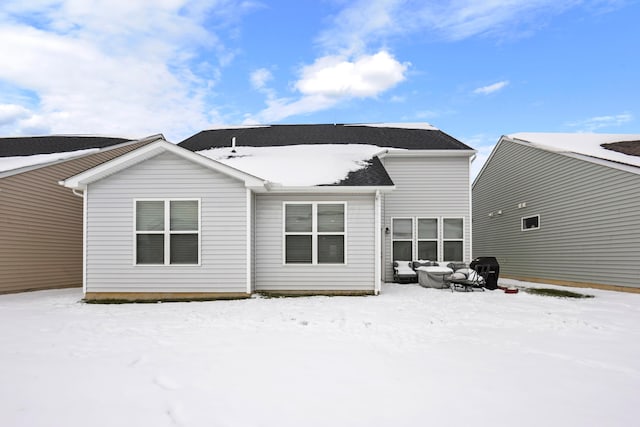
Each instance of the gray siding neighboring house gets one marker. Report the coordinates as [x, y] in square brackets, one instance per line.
[251, 234]
[581, 205]
[41, 222]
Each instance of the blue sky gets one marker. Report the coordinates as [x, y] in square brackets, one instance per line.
[475, 69]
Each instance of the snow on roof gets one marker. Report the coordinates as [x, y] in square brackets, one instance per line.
[16, 162]
[589, 144]
[417, 125]
[297, 165]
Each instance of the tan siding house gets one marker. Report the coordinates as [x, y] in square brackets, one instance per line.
[41, 223]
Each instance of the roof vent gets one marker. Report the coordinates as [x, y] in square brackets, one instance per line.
[233, 144]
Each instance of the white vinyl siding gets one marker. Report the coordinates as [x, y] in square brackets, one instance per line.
[223, 229]
[426, 187]
[356, 274]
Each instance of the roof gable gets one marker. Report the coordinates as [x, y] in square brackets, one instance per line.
[160, 145]
[409, 136]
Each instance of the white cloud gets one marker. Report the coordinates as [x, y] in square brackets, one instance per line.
[9, 113]
[365, 22]
[260, 77]
[115, 67]
[486, 90]
[366, 76]
[599, 122]
[332, 79]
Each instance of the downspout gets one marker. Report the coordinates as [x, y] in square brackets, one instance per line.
[249, 219]
[378, 243]
[471, 159]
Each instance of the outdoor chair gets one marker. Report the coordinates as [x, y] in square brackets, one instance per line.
[403, 272]
[475, 278]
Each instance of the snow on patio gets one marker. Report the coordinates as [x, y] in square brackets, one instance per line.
[411, 356]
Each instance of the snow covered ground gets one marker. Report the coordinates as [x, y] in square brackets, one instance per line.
[409, 357]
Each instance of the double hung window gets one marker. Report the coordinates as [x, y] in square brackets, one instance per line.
[428, 238]
[167, 232]
[314, 233]
[452, 239]
[402, 232]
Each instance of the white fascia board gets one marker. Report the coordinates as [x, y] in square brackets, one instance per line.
[327, 189]
[427, 153]
[81, 180]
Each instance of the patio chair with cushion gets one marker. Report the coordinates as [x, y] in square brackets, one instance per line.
[468, 279]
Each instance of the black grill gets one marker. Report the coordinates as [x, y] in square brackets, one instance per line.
[494, 270]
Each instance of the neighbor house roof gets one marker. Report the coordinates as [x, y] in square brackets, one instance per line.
[410, 136]
[21, 152]
[30, 145]
[622, 149]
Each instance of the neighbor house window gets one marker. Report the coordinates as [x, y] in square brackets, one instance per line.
[531, 223]
[314, 233]
[167, 232]
[452, 239]
[428, 238]
[402, 236]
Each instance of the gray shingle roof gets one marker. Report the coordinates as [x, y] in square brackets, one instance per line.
[632, 148]
[372, 175]
[279, 135]
[30, 145]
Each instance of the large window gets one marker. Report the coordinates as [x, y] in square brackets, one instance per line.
[314, 233]
[434, 239]
[402, 236]
[167, 232]
[428, 238]
[453, 239]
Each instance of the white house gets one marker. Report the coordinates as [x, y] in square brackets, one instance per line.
[283, 209]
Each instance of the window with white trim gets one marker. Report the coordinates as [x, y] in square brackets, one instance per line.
[434, 239]
[453, 239]
[402, 237]
[167, 232]
[530, 223]
[428, 238]
[314, 232]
